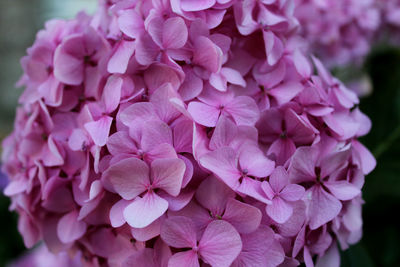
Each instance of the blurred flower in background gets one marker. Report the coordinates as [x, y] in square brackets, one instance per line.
[19, 22]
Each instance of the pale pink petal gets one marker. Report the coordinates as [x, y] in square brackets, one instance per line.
[279, 210]
[154, 133]
[274, 47]
[323, 207]
[69, 228]
[233, 76]
[128, 177]
[167, 174]
[140, 258]
[220, 244]
[187, 259]
[302, 64]
[285, 92]
[331, 258]
[366, 160]
[143, 211]
[244, 217]
[191, 87]
[179, 202]
[146, 50]
[204, 114]
[117, 213]
[179, 232]
[99, 130]
[121, 143]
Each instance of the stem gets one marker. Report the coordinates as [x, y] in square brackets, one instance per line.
[383, 147]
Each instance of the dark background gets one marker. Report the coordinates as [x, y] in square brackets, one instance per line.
[380, 246]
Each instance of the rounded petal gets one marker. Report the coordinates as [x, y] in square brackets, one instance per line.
[179, 232]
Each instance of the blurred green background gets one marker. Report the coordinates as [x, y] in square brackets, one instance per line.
[21, 19]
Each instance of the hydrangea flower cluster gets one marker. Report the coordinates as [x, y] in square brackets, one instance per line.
[185, 133]
[340, 32]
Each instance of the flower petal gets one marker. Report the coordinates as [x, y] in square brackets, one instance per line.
[179, 232]
[143, 211]
[244, 217]
[167, 174]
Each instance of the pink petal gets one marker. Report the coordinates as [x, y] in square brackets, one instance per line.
[99, 130]
[204, 114]
[69, 228]
[285, 92]
[334, 162]
[154, 133]
[292, 192]
[175, 33]
[273, 47]
[222, 162]
[302, 166]
[366, 160]
[252, 159]
[213, 195]
[196, 5]
[187, 259]
[161, 100]
[233, 76]
[128, 177]
[140, 258]
[343, 190]
[121, 143]
[207, 54]
[323, 207]
[179, 202]
[119, 61]
[158, 75]
[131, 23]
[244, 110]
[220, 244]
[302, 64]
[167, 174]
[245, 218]
[68, 68]
[191, 87]
[117, 213]
[138, 111]
[112, 93]
[148, 232]
[331, 258]
[179, 232]
[224, 132]
[218, 81]
[279, 179]
[146, 50]
[279, 210]
[143, 211]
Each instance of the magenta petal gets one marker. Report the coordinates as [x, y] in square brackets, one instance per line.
[323, 207]
[343, 190]
[220, 244]
[244, 217]
[279, 210]
[187, 259]
[213, 195]
[143, 211]
[167, 174]
[69, 228]
[274, 47]
[179, 232]
[128, 177]
[99, 130]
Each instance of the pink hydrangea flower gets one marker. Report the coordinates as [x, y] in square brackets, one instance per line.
[186, 133]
